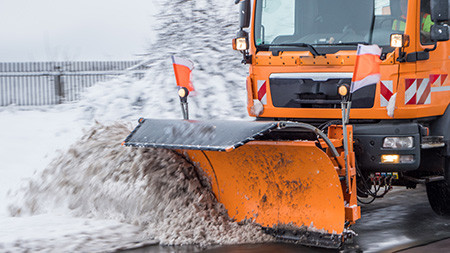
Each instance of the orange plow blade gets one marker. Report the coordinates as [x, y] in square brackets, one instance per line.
[292, 188]
[285, 186]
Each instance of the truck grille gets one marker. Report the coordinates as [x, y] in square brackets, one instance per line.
[315, 90]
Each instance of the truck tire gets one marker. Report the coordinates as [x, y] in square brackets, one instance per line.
[439, 193]
[439, 197]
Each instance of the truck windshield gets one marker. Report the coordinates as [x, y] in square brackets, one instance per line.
[325, 22]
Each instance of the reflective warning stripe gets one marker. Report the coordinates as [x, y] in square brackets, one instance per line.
[410, 91]
[386, 92]
[438, 80]
[262, 90]
[418, 91]
[423, 91]
[443, 88]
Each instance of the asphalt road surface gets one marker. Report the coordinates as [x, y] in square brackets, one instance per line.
[402, 221]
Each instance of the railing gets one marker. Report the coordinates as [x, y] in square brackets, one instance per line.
[46, 83]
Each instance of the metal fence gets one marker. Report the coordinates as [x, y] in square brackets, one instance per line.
[46, 83]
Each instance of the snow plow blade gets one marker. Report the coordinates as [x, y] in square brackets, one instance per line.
[291, 188]
[200, 135]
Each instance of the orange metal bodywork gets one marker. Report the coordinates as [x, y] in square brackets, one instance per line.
[265, 63]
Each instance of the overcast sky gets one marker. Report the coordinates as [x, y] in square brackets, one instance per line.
[46, 30]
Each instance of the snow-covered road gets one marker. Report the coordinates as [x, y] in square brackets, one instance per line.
[29, 140]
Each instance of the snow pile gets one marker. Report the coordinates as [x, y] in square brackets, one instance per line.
[156, 190]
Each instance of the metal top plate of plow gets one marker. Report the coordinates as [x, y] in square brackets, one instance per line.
[214, 135]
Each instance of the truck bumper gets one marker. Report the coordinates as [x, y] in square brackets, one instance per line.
[369, 149]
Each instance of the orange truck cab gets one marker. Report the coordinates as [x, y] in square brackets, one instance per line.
[299, 52]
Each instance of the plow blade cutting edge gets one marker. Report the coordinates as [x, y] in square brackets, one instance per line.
[290, 187]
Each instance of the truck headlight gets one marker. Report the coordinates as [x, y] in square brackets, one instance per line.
[398, 142]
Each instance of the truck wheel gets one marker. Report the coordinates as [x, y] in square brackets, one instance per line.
[439, 197]
[439, 193]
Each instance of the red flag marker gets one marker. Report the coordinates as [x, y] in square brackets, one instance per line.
[183, 71]
[367, 67]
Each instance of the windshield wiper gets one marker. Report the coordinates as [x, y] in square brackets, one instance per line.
[309, 46]
[350, 43]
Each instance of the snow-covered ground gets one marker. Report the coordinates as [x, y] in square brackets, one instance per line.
[30, 138]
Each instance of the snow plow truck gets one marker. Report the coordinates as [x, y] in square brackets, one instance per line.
[302, 167]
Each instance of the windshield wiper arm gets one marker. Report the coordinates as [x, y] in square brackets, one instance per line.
[309, 46]
[351, 43]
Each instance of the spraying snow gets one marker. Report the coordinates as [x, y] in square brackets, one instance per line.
[155, 190]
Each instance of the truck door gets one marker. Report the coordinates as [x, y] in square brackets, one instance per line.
[431, 72]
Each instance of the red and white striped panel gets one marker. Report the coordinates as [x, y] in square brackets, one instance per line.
[386, 92]
[418, 91]
[438, 80]
[423, 91]
[410, 91]
[262, 90]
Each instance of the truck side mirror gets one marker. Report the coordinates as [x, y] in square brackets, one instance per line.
[241, 41]
[439, 33]
[440, 10]
[245, 11]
